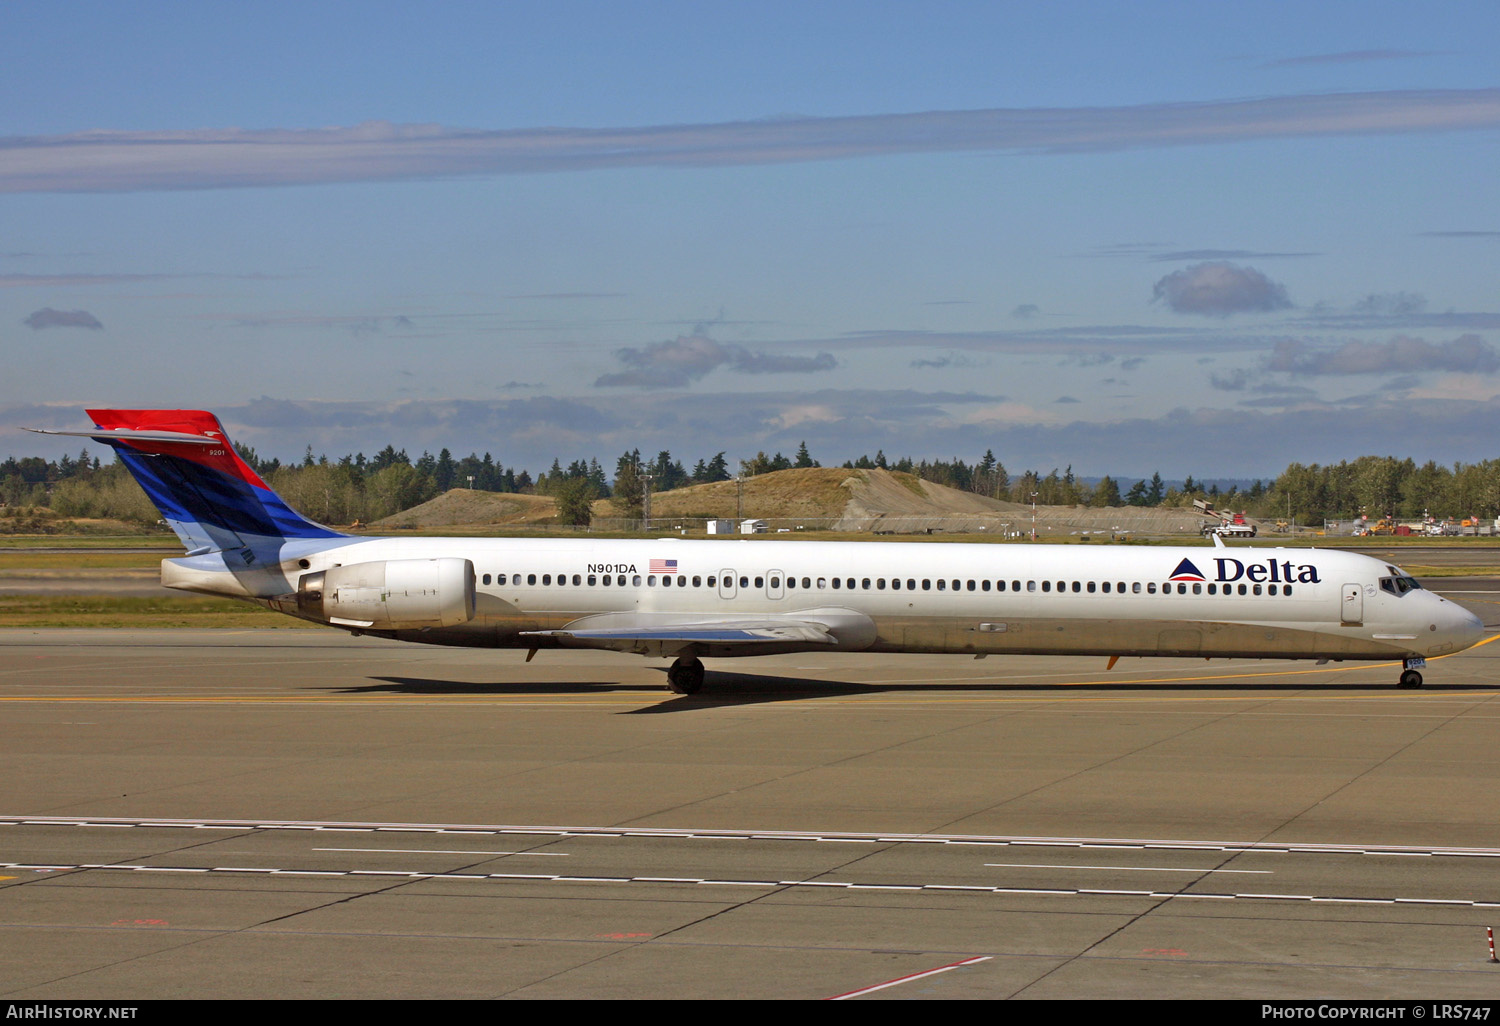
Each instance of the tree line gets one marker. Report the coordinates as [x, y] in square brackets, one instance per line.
[356, 488]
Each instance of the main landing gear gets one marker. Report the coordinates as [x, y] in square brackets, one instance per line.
[686, 676]
[1410, 678]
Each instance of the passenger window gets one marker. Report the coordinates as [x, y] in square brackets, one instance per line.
[1077, 587]
[486, 579]
[822, 583]
[1286, 589]
[942, 584]
[1150, 588]
[1106, 587]
[865, 583]
[1182, 589]
[1256, 589]
[711, 583]
[1135, 588]
[1243, 590]
[775, 583]
[926, 584]
[1091, 587]
[806, 582]
[760, 582]
[1270, 589]
[546, 578]
[1015, 585]
[697, 581]
[499, 578]
[593, 580]
[985, 586]
[531, 578]
[651, 581]
[608, 580]
[880, 584]
[836, 582]
[577, 580]
[1046, 585]
[1197, 589]
[895, 584]
[744, 582]
[1031, 586]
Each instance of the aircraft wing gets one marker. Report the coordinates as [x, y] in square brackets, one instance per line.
[655, 636]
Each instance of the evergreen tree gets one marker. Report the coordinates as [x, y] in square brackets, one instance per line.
[1156, 492]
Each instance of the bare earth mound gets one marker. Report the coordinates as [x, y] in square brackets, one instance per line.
[463, 506]
[830, 498]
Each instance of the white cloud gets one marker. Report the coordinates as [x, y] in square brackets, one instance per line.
[116, 161]
[50, 318]
[1218, 288]
[687, 358]
[1467, 354]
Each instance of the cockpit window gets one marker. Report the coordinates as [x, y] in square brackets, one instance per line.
[1399, 585]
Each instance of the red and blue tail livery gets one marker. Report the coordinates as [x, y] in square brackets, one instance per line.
[206, 493]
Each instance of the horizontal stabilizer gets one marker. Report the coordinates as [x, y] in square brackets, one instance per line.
[119, 434]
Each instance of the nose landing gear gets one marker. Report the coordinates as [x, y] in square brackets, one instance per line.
[1410, 678]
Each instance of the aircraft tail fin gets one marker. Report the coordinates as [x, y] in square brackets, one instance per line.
[212, 498]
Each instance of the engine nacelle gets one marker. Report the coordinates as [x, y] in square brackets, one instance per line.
[393, 594]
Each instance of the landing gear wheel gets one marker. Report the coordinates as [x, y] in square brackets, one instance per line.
[685, 677]
[1410, 679]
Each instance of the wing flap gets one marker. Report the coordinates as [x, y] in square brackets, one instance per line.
[665, 638]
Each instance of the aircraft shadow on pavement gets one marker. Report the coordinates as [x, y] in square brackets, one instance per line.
[739, 688]
[457, 688]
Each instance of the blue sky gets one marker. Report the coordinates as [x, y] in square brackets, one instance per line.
[1204, 239]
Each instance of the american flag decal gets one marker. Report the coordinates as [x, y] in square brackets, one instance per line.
[663, 566]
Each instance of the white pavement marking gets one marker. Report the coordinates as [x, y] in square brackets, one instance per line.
[908, 979]
[1122, 869]
[602, 832]
[450, 851]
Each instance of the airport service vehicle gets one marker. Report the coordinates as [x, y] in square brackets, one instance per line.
[689, 600]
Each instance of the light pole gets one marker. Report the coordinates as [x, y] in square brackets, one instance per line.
[1033, 516]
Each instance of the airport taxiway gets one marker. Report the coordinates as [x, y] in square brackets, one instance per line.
[305, 814]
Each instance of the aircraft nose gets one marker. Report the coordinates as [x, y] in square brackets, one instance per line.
[1456, 625]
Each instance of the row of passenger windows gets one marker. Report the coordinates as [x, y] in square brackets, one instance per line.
[897, 584]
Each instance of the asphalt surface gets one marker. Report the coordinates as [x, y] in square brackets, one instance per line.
[303, 814]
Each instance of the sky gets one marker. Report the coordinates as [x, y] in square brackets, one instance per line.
[1204, 239]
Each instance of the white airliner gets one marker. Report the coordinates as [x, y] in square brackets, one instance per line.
[685, 600]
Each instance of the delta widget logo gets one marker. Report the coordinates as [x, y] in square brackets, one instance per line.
[1186, 571]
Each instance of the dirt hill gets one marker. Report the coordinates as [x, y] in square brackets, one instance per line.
[830, 498]
[463, 507]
